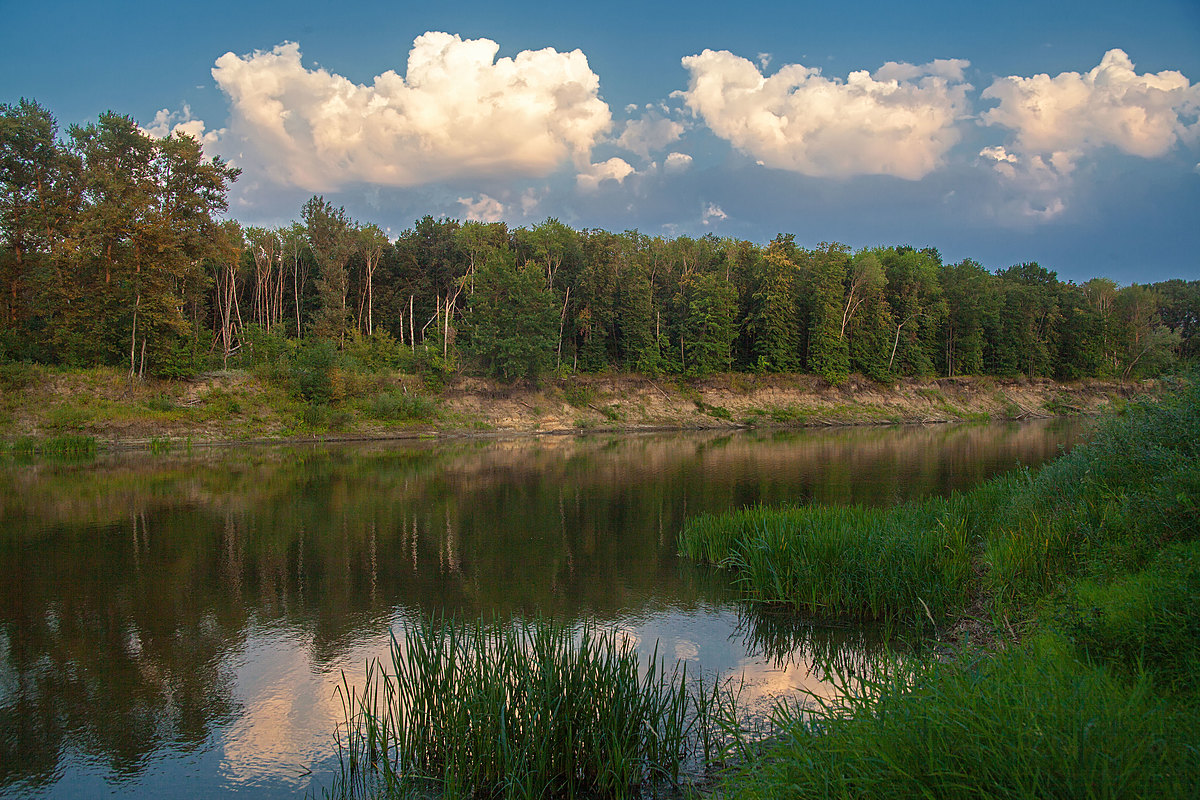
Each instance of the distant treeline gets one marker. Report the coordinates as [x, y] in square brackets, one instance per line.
[112, 252]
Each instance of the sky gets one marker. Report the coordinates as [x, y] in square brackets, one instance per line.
[1066, 133]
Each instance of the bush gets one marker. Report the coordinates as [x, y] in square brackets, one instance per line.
[397, 406]
[311, 371]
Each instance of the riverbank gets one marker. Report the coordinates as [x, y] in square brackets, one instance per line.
[1082, 576]
[39, 404]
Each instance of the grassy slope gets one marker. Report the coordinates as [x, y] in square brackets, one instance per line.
[288, 402]
[1096, 557]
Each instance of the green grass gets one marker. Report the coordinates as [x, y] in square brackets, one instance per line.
[62, 446]
[1096, 556]
[1030, 722]
[903, 565]
[521, 710]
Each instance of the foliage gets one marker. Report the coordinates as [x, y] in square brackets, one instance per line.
[860, 563]
[1029, 722]
[512, 321]
[112, 252]
[518, 710]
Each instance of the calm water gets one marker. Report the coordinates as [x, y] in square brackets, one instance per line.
[175, 625]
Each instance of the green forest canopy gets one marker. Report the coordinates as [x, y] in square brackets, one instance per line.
[112, 251]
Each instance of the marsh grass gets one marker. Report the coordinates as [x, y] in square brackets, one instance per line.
[905, 565]
[524, 710]
[1098, 553]
[62, 446]
[1029, 722]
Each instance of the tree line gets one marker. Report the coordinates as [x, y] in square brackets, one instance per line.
[113, 251]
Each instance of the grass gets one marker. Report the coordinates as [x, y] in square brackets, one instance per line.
[903, 566]
[1030, 722]
[1097, 558]
[522, 710]
[61, 446]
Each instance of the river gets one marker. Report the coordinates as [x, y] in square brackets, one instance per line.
[175, 624]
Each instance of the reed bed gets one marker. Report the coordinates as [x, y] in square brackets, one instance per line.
[529, 710]
[63, 446]
[908, 565]
[1096, 558]
[1033, 722]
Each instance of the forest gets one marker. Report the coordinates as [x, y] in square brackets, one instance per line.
[115, 250]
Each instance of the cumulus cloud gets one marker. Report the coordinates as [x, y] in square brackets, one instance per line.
[614, 169]
[168, 123]
[677, 162]
[1055, 122]
[900, 121]
[712, 211]
[644, 136]
[482, 208]
[1071, 114]
[457, 112]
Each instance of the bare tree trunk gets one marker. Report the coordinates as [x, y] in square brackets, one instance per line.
[133, 337]
[412, 337]
[562, 321]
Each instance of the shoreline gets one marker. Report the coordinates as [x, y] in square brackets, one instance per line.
[235, 408]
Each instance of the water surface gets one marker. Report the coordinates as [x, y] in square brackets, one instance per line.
[175, 625]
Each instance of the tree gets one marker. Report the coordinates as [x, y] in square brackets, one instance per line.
[709, 326]
[39, 187]
[972, 302]
[773, 321]
[371, 244]
[915, 300]
[513, 319]
[331, 236]
[1027, 327]
[828, 350]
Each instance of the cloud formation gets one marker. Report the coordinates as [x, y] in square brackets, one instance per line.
[1064, 117]
[901, 121]
[1057, 121]
[457, 112]
[651, 134]
[614, 169]
[482, 209]
[168, 123]
[677, 162]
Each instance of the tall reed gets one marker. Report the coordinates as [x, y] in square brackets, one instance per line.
[899, 565]
[521, 711]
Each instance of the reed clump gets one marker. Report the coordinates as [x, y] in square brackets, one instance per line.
[909, 564]
[530, 710]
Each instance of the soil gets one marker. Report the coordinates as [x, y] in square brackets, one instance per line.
[237, 406]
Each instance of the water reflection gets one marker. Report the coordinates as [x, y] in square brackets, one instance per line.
[174, 625]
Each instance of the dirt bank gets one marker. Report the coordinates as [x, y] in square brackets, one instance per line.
[237, 406]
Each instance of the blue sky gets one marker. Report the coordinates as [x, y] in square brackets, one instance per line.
[1064, 133]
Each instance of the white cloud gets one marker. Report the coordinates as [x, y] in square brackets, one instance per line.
[168, 123]
[1067, 116]
[1058, 121]
[644, 136]
[677, 162]
[712, 211]
[482, 208]
[615, 169]
[457, 112]
[900, 122]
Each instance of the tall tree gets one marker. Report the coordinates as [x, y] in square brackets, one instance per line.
[774, 317]
[331, 236]
[828, 350]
